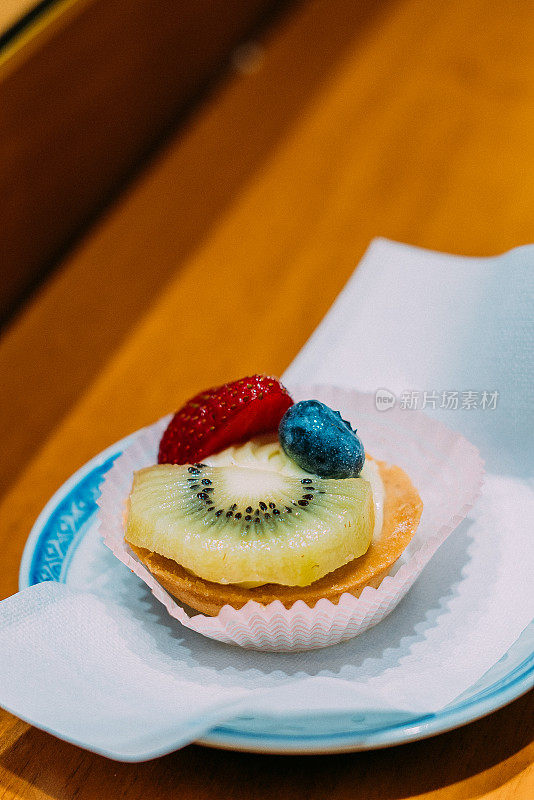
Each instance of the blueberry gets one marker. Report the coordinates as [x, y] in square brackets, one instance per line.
[319, 440]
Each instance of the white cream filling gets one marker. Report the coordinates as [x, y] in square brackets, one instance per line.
[371, 473]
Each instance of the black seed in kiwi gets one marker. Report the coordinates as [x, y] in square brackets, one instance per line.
[208, 499]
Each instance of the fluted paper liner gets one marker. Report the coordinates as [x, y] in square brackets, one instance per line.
[445, 468]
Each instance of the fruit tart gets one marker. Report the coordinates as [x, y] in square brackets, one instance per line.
[257, 498]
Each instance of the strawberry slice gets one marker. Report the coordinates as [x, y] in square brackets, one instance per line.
[217, 418]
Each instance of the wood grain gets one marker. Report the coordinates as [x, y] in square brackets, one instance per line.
[12, 11]
[85, 92]
[146, 237]
[406, 119]
[461, 765]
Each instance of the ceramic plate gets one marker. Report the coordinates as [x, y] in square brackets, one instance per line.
[64, 543]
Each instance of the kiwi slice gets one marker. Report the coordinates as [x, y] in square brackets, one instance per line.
[232, 524]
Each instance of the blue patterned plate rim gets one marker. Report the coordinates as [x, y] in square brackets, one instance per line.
[49, 551]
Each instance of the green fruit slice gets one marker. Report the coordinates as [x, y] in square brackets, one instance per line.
[241, 525]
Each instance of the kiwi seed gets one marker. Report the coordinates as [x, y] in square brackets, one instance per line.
[266, 513]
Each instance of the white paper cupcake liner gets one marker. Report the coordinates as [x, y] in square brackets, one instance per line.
[445, 468]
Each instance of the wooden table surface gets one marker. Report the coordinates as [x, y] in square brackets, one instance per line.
[349, 120]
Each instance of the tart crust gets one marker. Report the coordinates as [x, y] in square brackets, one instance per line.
[402, 512]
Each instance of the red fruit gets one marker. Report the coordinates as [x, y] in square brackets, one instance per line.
[217, 418]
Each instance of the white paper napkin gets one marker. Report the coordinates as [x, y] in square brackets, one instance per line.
[108, 669]
[411, 321]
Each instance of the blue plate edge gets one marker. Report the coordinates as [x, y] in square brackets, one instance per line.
[224, 736]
